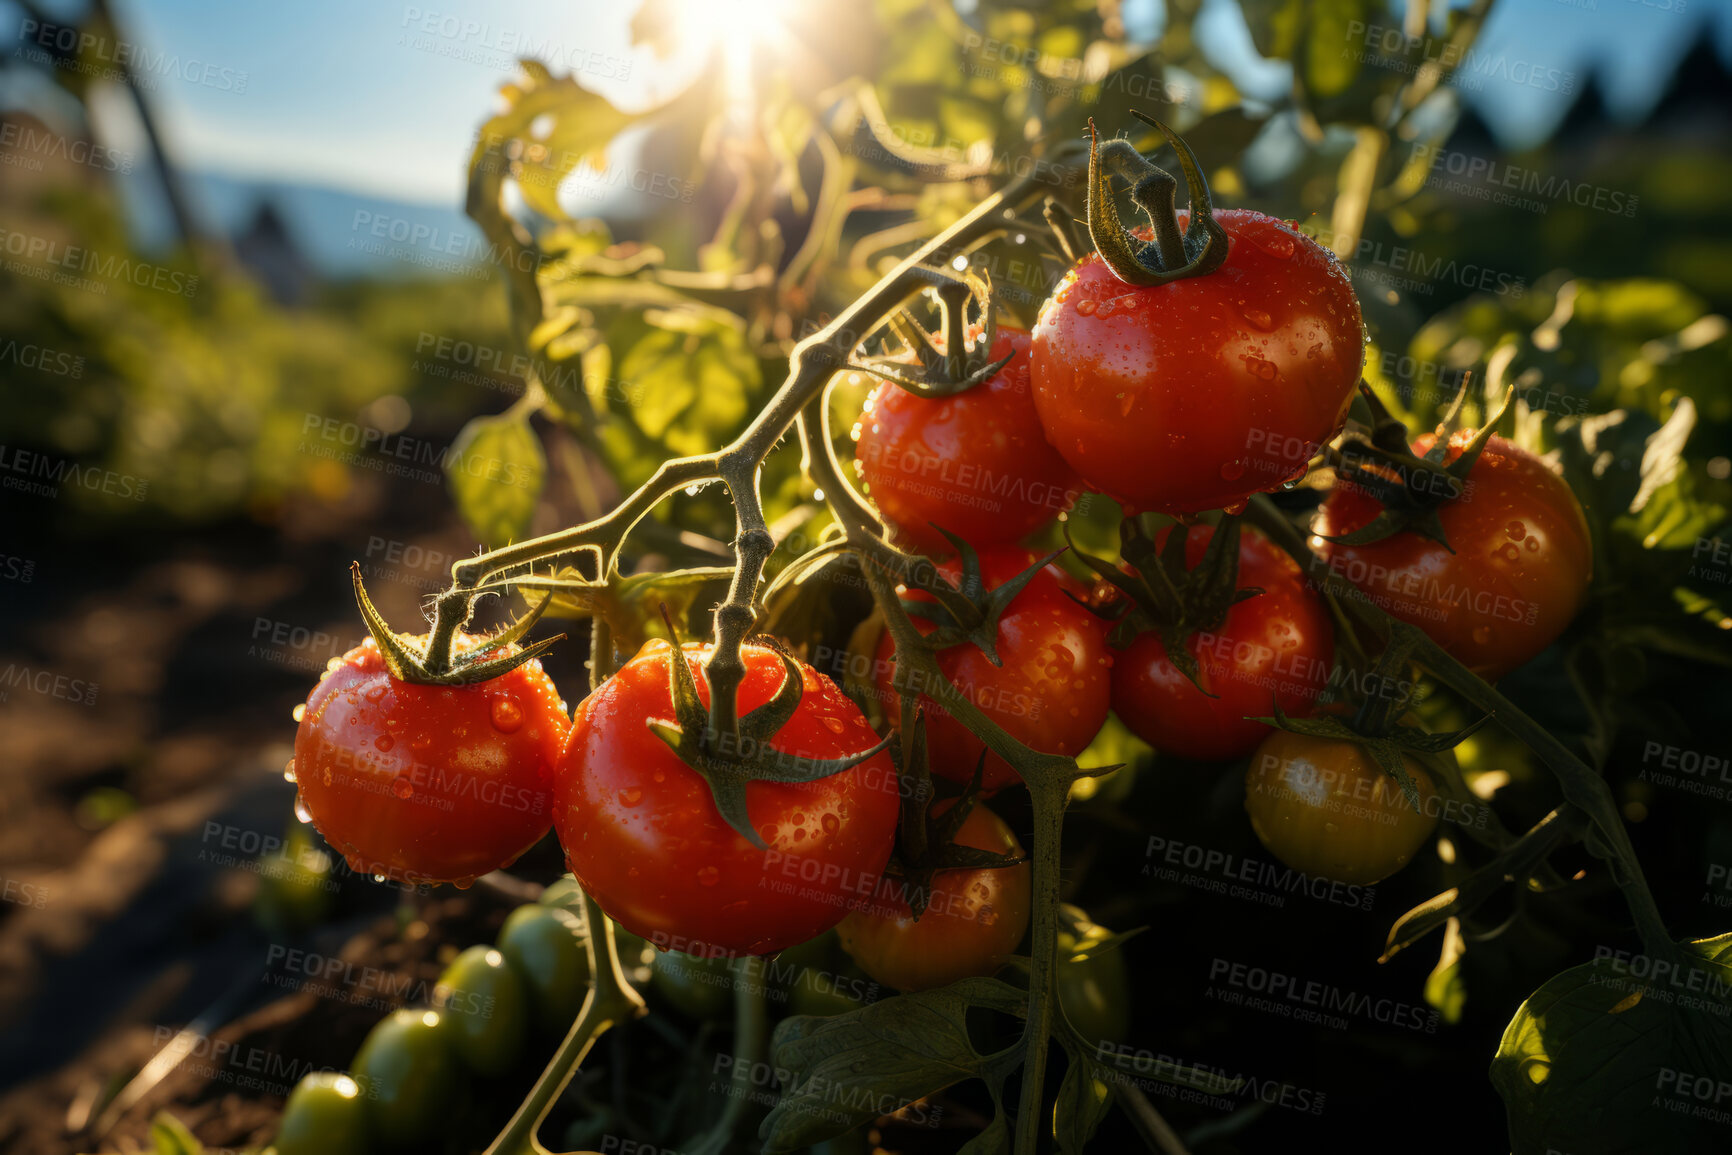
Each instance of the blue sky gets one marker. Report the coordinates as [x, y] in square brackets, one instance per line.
[359, 96]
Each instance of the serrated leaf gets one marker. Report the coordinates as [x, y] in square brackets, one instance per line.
[1604, 1056]
[496, 471]
[850, 1068]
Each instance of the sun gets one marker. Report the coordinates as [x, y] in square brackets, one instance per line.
[745, 33]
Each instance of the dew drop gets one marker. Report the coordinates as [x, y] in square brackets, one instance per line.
[507, 715]
[301, 811]
[1232, 471]
[1279, 246]
[464, 883]
[327, 776]
[1533, 545]
[378, 877]
[402, 787]
[630, 796]
[289, 771]
[831, 823]
[1258, 319]
[374, 693]
[1086, 307]
[1516, 530]
[1482, 634]
[708, 876]
[299, 712]
[834, 725]
[384, 742]
[1260, 368]
[1509, 552]
[661, 775]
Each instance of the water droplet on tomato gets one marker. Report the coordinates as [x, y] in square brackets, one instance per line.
[384, 742]
[507, 715]
[1235, 508]
[708, 875]
[374, 693]
[1516, 530]
[831, 823]
[1232, 471]
[402, 787]
[1258, 319]
[834, 725]
[660, 776]
[289, 771]
[299, 712]
[1279, 246]
[464, 883]
[1533, 545]
[301, 811]
[1086, 307]
[1509, 552]
[630, 796]
[1260, 368]
[1482, 634]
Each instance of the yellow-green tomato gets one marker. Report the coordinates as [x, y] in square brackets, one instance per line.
[1092, 987]
[325, 1115]
[545, 945]
[409, 1076]
[1325, 807]
[486, 1009]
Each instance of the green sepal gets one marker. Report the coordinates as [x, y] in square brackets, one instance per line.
[1171, 256]
[408, 664]
[969, 612]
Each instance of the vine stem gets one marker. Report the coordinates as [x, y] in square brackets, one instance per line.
[751, 1032]
[1580, 784]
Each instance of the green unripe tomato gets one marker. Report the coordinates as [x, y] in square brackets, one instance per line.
[486, 1008]
[409, 1076]
[545, 945]
[1092, 987]
[325, 1115]
[294, 886]
[701, 988]
[563, 891]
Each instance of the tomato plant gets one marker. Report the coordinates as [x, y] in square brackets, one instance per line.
[644, 838]
[976, 463]
[972, 921]
[485, 1007]
[1325, 807]
[1512, 573]
[428, 783]
[1272, 651]
[409, 1077]
[544, 945]
[325, 1115]
[1049, 687]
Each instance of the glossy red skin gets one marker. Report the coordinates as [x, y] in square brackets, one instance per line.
[1196, 394]
[977, 464]
[428, 783]
[1275, 648]
[973, 919]
[1052, 692]
[1519, 573]
[643, 837]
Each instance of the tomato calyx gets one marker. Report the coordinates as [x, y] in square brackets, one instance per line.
[968, 611]
[1164, 596]
[948, 363]
[727, 762]
[1385, 747]
[489, 658]
[1410, 487]
[926, 838]
[1172, 255]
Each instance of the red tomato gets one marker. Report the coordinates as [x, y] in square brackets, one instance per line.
[1052, 693]
[976, 464]
[1519, 572]
[428, 783]
[1275, 648]
[643, 837]
[1197, 394]
[972, 922]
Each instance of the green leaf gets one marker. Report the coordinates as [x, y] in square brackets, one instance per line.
[496, 470]
[169, 1136]
[848, 1069]
[1083, 1101]
[1605, 1057]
